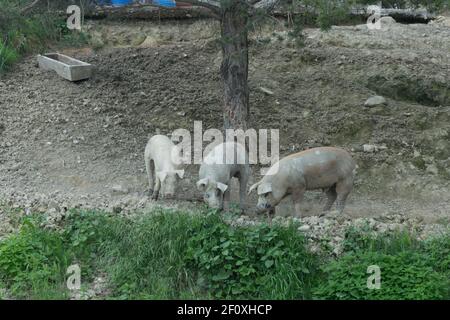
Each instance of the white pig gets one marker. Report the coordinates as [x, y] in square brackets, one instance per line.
[164, 166]
[225, 161]
[327, 168]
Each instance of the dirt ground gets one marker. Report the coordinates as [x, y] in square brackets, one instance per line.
[66, 144]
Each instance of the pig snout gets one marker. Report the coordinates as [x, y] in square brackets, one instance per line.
[169, 195]
[213, 201]
[263, 206]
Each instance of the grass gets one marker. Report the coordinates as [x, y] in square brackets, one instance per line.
[21, 34]
[168, 254]
[410, 269]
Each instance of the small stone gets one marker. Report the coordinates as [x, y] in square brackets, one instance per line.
[387, 20]
[117, 209]
[266, 91]
[432, 168]
[369, 148]
[304, 228]
[375, 101]
[119, 189]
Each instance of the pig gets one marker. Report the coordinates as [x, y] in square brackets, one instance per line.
[164, 166]
[217, 170]
[327, 168]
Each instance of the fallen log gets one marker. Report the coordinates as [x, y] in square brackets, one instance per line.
[149, 11]
[397, 14]
[155, 12]
[419, 15]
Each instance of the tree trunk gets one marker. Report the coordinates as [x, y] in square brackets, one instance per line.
[234, 69]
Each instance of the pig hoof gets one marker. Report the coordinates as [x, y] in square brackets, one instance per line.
[155, 196]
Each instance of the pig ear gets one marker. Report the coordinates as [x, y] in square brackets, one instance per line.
[222, 187]
[201, 184]
[180, 173]
[253, 187]
[161, 175]
[265, 188]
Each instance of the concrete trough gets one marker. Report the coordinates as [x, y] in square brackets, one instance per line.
[65, 66]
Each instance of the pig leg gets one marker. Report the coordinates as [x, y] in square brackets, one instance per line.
[343, 189]
[297, 197]
[243, 180]
[270, 215]
[331, 195]
[226, 200]
[157, 188]
[150, 172]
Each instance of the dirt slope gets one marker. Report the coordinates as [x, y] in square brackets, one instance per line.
[68, 144]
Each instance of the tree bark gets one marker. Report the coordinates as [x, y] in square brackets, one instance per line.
[234, 68]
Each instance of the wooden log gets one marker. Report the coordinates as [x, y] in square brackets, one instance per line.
[409, 15]
[152, 12]
[419, 14]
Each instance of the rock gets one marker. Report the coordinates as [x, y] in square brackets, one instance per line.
[117, 209]
[372, 148]
[432, 168]
[119, 189]
[441, 20]
[266, 91]
[375, 101]
[138, 40]
[304, 228]
[387, 20]
[369, 148]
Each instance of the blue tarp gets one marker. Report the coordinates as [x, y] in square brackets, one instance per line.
[118, 3]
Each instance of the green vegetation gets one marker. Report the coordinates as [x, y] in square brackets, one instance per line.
[33, 263]
[168, 254]
[23, 33]
[255, 263]
[410, 269]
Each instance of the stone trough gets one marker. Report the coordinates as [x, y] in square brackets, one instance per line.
[65, 66]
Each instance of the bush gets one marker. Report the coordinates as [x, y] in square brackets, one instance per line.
[84, 233]
[20, 33]
[410, 269]
[405, 276]
[145, 257]
[173, 255]
[7, 56]
[257, 262]
[168, 254]
[33, 262]
[363, 239]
